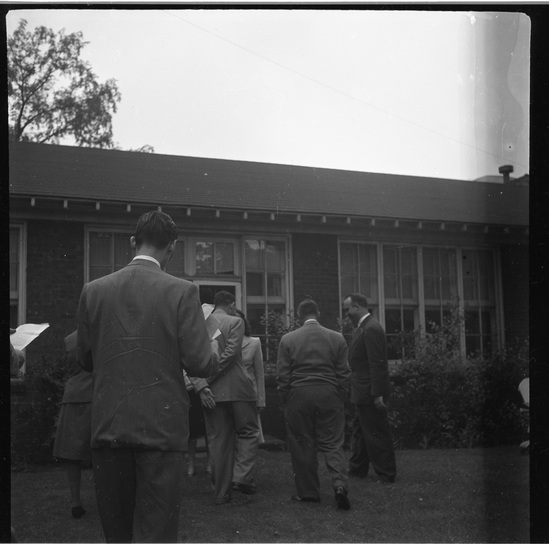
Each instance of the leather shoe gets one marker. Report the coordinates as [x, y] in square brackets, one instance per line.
[341, 498]
[244, 488]
[77, 512]
[305, 499]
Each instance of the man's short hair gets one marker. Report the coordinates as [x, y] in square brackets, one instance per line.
[156, 229]
[223, 298]
[307, 307]
[358, 298]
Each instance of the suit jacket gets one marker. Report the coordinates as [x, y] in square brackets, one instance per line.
[79, 385]
[312, 355]
[252, 359]
[231, 383]
[368, 362]
[138, 328]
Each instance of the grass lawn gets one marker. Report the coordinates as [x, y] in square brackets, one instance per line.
[468, 495]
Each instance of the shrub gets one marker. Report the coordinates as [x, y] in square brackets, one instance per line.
[441, 399]
[276, 327]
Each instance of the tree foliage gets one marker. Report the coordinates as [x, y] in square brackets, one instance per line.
[53, 93]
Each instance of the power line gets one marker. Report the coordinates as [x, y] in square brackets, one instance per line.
[334, 89]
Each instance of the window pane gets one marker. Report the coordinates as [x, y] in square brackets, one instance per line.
[122, 251]
[100, 254]
[224, 258]
[432, 317]
[469, 277]
[254, 254]
[358, 269]
[275, 256]
[486, 276]
[393, 321]
[274, 285]
[204, 258]
[254, 284]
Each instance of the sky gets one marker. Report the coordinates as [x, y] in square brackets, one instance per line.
[398, 92]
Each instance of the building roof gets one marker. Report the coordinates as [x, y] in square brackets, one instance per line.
[41, 170]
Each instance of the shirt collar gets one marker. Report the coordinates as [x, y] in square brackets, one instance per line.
[312, 320]
[362, 319]
[146, 258]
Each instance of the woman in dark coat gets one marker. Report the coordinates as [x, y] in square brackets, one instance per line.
[72, 439]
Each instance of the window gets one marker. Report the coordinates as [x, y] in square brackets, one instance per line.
[479, 300]
[401, 295]
[439, 283]
[265, 281]
[214, 258]
[108, 252]
[17, 280]
[358, 271]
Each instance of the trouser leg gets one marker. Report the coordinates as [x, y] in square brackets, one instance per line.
[359, 462]
[115, 484]
[378, 440]
[159, 476]
[330, 434]
[221, 438]
[74, 477]
[302, 443]
[246, 441]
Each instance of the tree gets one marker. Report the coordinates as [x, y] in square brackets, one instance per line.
[53, 93]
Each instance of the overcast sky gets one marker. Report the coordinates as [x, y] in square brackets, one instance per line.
[373, 91]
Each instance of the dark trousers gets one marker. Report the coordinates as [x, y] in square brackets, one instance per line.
[372, 443]
[315, 421]
[145, 482]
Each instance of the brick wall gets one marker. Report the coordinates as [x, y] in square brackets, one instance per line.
[515, 278]
[55, 269]
[316, 274]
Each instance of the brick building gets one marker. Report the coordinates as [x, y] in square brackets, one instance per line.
[271, 234]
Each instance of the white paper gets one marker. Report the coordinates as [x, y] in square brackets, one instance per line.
[207, 309]
[212, 323]
[25, 334]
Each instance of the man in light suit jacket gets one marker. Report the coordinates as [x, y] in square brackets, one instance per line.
[313, 380]
[370, 391]
[137, 329]
[231, 425]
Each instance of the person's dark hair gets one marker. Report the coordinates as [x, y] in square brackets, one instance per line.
[156, 229]
[247, 326]
[358, 298]
[223, 298]
[307, 307]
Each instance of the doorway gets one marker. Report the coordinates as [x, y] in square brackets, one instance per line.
[208, 289]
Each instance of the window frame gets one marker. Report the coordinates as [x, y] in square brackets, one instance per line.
[21, 296]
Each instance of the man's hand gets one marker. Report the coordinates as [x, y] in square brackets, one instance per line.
[207, 398]
[379, 404]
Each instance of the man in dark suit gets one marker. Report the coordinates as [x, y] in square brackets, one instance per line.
[370, 391]
[138, 328]
[313, 380]
[231, 425]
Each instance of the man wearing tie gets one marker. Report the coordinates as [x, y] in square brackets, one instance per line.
[370, 390]
[137, 329]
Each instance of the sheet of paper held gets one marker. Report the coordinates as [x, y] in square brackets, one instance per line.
[25, 334]
[212, 323]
